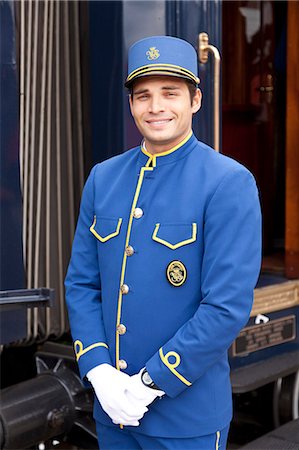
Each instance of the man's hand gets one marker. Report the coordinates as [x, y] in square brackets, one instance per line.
[140, 394]
[111, 387]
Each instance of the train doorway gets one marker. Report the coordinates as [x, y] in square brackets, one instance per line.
[254, 108]
[260, 98]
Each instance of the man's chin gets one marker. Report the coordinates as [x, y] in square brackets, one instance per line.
[159, 137]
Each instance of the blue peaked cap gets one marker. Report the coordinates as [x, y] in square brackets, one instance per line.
[162, 55]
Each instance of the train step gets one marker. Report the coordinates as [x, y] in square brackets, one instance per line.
[285, 437]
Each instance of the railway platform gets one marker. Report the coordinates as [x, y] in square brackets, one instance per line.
[285, 437]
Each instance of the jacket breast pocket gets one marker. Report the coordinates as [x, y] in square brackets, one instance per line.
[175, 235]
[105, 228]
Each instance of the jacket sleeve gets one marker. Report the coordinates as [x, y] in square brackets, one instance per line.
[83, 290]
[230, 268]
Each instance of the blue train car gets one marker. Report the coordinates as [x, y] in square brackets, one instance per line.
[64, 108]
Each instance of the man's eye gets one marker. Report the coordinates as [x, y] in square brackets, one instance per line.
[171, 94]
[142, 97]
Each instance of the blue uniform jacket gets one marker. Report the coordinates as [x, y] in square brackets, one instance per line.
[164, 262]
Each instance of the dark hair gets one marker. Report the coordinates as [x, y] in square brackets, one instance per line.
[192, 87]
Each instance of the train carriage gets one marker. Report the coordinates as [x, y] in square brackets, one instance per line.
[63, 109]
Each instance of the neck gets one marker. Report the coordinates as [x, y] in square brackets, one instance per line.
[161, 147]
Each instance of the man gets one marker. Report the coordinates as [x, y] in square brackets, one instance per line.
[164, 262]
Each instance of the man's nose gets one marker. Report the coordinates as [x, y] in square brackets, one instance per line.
[156, 104]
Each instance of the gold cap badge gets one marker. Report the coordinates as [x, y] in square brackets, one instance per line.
[176, 273]
[152, 53]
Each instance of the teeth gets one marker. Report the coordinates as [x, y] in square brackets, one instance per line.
[160, 121]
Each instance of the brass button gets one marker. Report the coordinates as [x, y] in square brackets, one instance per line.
[124, 288]
[138, 213]
[122, 364]
[129, 250]
[121, 329]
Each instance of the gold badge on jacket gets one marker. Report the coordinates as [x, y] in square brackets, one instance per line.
[176, 273]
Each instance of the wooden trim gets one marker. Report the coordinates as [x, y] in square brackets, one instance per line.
[275, 297]
[292, 142]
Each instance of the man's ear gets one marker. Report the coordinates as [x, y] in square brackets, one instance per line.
[196, 102]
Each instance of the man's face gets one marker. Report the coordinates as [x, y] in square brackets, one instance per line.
[162, 110]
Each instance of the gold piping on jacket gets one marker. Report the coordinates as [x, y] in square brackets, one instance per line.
[122, 277]
[150, 165]
[167, 152]
[172, 366]
[79, 350]
[109, 236]
[217, 440]
[178, 244]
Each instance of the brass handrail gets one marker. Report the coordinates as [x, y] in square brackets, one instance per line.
[203, 49]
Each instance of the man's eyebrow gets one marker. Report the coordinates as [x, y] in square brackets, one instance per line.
[140, 91]
[170, 88]
[164, 88]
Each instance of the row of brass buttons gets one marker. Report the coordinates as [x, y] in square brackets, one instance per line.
[121, 328]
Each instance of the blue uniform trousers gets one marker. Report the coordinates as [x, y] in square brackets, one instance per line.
[114, 438]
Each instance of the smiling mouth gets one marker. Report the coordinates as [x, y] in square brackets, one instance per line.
[158, 122]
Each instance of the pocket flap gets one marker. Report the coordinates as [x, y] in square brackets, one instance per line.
[175, 235]
[104, 228]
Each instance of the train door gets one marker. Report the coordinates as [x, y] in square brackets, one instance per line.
[254, 107]
[258, 88]
[260, 104]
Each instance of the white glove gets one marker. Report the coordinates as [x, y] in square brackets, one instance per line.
[110, 386]
[140, 394]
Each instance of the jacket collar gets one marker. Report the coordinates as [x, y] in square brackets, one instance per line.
[169, 156]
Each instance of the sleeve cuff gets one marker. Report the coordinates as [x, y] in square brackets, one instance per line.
[165, 371]
[91, 356]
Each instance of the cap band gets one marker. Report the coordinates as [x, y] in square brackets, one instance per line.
[171, 68]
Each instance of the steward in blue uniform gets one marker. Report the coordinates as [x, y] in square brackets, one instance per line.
[164, 262]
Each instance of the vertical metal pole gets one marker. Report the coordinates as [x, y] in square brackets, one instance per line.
[24, 100]
[28, 36]
[68, 117]
[40, 173]
[22, 93]
[48, 165]
[203, 48]
[25, 145]
[58, 155]
[78, 95]
[31, 149]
